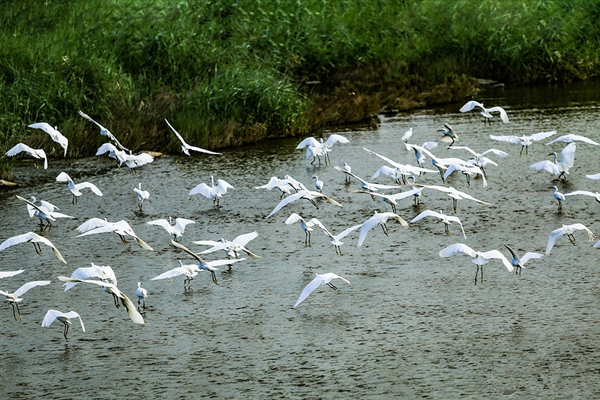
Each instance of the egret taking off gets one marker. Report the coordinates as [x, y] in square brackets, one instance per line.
[519, 262]
[54, 134]
[141, 195]
[378, 219]
[212, 192]
[14, 298]
[35, 153]
[65, 318]
[479, 258]
[76, 188]
[320, 279]
[567, 230]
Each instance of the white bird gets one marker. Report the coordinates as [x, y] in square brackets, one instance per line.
[347, 168]
[303, 194]
[403, 170]
[336, 240]
[479, 258]
[44, 211]
[320, 279]
[524, 141]
[596, 195]
[283, 185]
[372, 187]
[121, 228]
[378, 219]
[7, 274]
[594, 176]
[519, 262]
[307, 226]
[35, 153]
[467, 171]
[232, 248]
[65, 318]
[137, 160]
[212, 192]
[318, 183]
[391, 199]
[176, 230]
[407, 135]
[141, 294]
[448, 134]
[567, 230]
[570, 138]
[189, 270]
[186, 147]
[420, 151]
[567, 159]
[103, 131]
[132, 312]
[446, 219]
[317, 148]
[486, 112]
[54, 134]
[35, 239]
[480, 159]
[14, 298]
[104, 273]
[76, 188]
[113, 152]
[141, 195]
[454, 194]
[558, 196]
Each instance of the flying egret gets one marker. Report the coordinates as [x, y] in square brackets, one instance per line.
[113, 152]
[558, 196]
[480, 159]
[567, 159]
[33, 238]
[486, 112]
[372, 187]
[318, 148]
[448, 134]
[176, 230]
[212, 192]
[35, 153]
[121, 228]
[307, 226]
[141, 294]
[104, 273]
[7, 274]
[318, 184]
[420, 150]
[567, 230]
[524, 141]
[391, 199]
[76, 188]
[232, 248]
[378, 219]
[65, 318]
[454, 194]
[54, 134]
[189, 270]
[103, 131]
[403, 170]
[186, 147]
[320, 279]
[14, 298]
[519, 262]
[283, 185]
[479, 258]
[141, 195]
[303, 194]
[44, 211]
[467, 171]
[336, 240]
[596, 195]
[572, 138]
[446, 219]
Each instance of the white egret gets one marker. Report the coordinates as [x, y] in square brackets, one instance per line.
[65, 318]
[372, 187]
[113, 152]
[318, 184]
[7, 274]
[141, 294]
[336, 240]
[420, 150]
[480, 159]
[141, 195]
[121, 228]
[594, 176]
[104, 273]
[176, 230]
[467, 171]
[35, 153]
[446, 219]
[44, 211]
[76, 188]
[448, 134]
[303, 194]
[14, 298]
[35, 239]
[186, 147]
[558, 196]
[282, 184]
[232, 248]
[524, 141]
[407, 135]
[567, 159]
[103, 131]
[403, 170]
[132, 312]
[486, 112]
[320, 279]
[572, 138]
[596, 195]
[318, 148]
[213, 191]
[347, 168]
[519, 262]
[391, 199]
[378, 219]
[479, 258]
[567, 230]
[454, 194]
[54, 134]
[189, 270]
[307, 226]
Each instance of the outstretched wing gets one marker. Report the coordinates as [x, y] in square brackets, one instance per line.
[457, 248]
[28, 286]
[311, 287]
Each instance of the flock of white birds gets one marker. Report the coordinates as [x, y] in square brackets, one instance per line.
[290, 191]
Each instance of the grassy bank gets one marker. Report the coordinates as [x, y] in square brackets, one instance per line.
[227, 72]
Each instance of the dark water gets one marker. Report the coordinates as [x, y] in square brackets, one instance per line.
[411, 324]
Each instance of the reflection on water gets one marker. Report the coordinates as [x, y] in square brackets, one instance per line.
[411, 324]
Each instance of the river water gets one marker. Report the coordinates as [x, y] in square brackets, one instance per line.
[411, 324]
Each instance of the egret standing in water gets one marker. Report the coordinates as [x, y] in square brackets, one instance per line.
[141, 294]
[318, 184]
[558, 196]
[320, 279]
[212, 192]
[65, 318]
[141, 195]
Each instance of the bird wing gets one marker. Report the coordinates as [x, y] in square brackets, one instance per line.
[176, 133]
[207, 242]
[309, 141]
[181, 223]
[84, 273]
[244, 239]
[582, 192]
[582, 139]
[7, 274]
[290, 199]
[46, 212]
[293, 218]
[46, 127]
[163, 223]
[497, 152]
[19, 148]
[88, 185]
[327, 198]
[63, 177]
[542, 135]
[142, 243]
[218, 263]
[84, 115]
[366, 227]
[351, 174]
[457, 248]
[470, 105]
[222, 186]
[529, 256]
[464, 148]
[555, 234]
[546, 165]
[388, 160]
[107, 148]
[457, 220]
[73, 315]
[469, 197]
[427, 213]
[591, 235]
[201, 150]
[171, 273]
[498, 255]
[23, 289]
[50, 316]
[26, 237]
[335, 138]
[92, 223]
[502, 112]
[202, 189]
[347, 231]
[314, 284]
[387, 171]
[191, 253]
[403, 195]
[509, 139]
[567, 155]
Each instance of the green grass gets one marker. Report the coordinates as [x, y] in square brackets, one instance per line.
[227, 72]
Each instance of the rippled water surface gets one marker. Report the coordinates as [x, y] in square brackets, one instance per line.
[411, 324]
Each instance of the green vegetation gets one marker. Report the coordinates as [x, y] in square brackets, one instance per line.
[226, 72]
